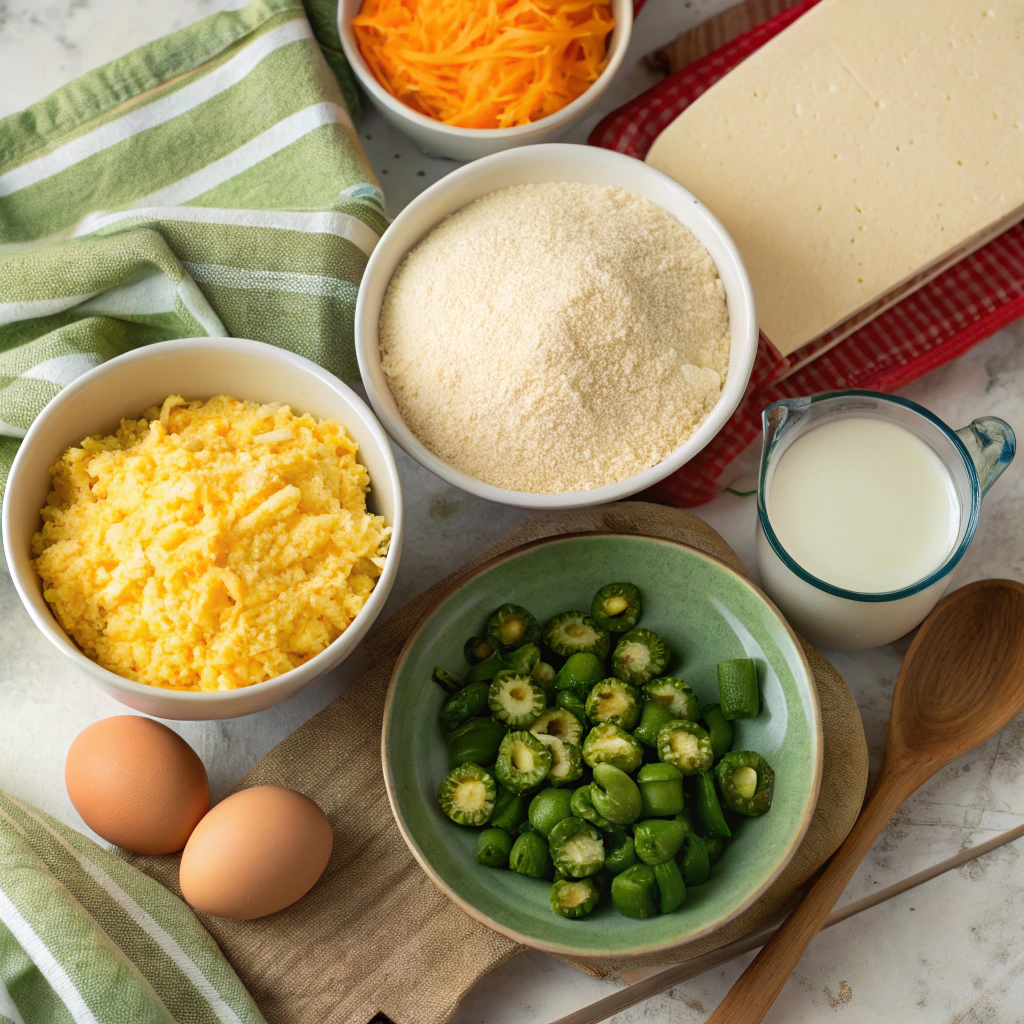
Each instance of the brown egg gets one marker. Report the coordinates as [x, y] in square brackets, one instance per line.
[137, 783]
[255, 853]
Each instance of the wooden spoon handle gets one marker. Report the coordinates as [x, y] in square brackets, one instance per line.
[759, 985]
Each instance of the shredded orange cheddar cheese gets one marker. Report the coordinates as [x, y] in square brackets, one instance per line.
[485, 63]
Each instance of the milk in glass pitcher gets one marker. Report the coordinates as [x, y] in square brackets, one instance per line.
[866, 504]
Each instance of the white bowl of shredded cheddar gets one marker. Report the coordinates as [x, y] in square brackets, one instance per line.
[555, 326]
[204, 526]
[449, 75]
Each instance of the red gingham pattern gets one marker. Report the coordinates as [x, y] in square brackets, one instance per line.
[937, 323]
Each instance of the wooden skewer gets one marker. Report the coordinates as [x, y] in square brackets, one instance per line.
[672, 976]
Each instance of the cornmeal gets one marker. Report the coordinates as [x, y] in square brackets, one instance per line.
[209, 545]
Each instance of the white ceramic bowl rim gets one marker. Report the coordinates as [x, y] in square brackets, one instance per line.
[620, 43]
[64, 401]
[742, 309]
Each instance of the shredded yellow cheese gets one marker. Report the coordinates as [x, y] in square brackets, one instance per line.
[485, 63]
[209, 545]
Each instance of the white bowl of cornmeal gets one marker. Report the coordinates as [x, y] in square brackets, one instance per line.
[555, 327]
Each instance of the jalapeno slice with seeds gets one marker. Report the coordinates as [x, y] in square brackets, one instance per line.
[614, 702]
[512, 626]
[609, 744]
[566, 760]
[523, 762]
[576, 848]
[746, 781]
[467, 795]
[674, 695]
[574, 897]
[515, 699]
[477, 648]
[560, 723]
[639, 656]
[576, 633]
[616, 607]
[686, 746]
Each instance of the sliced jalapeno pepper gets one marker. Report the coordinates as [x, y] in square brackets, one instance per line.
[635, 892]
[685, 745]
[523, 762]
[616, 607]
[478, 648]
[468, 795]
[583, 807]
[652, 717]
[619, 853]
[657, 839]
[576, 633]
[639, 656]
[574, 897]
[512, 626]
[462, 706]
[615, 795]
[746, 781]
[509, 811]
[614, 702]
[709, 810]
[671, 887]
[476, 740]
[566, 760]
[548, 808]
[493, 847]
[558, 722]
[737, 687]
[719, 729]
[576, 848]
[529, 855]
[608, 744]
[661, 790]
[694, 861]
[571, 702]
[673, 694]
[515, 699]
[579, 673]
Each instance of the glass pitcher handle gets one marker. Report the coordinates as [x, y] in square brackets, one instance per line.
[990, 442]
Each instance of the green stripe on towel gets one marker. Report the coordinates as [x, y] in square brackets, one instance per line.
[208, 183]
[86, 938]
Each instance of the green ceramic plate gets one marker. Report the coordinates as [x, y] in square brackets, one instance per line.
[707, 613]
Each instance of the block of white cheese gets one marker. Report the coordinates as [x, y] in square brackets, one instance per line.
[858, 153]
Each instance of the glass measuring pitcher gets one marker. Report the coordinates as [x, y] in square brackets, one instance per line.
[840, 619]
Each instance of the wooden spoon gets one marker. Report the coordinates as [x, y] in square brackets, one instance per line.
[961, 682]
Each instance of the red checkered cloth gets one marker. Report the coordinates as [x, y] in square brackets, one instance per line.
[938, 322]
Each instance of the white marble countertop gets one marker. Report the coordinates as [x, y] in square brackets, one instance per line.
[951, 952]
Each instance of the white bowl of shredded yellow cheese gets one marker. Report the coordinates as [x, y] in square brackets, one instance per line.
[204, 526]
[555, 326]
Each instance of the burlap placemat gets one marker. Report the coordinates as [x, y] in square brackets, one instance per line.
[375, 935]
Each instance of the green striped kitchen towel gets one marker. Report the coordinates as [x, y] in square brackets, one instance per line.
[87, 939]
[208, 183]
